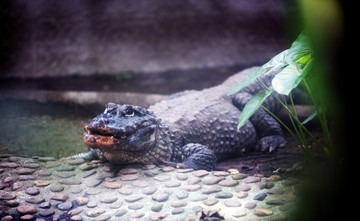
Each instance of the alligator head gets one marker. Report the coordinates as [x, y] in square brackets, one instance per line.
[122, 128]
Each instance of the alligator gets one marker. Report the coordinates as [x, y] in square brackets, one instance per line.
[190, 129]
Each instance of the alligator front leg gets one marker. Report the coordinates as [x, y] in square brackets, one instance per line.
[195, 156]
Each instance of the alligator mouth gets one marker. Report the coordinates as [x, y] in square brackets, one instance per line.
[108, 139]
[100, 137]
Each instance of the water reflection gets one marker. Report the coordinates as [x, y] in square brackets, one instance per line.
[31, 128]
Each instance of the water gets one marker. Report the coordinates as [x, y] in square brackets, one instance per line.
[32, 128]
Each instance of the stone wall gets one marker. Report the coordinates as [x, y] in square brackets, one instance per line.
[61, 38]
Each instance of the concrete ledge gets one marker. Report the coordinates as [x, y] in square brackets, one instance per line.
[82, 98]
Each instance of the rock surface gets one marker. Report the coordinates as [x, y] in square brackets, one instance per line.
[110, 192]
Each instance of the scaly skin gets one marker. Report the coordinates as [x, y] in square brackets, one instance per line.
[191, 129]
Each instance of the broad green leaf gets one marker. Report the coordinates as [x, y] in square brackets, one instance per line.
[288, 79]
[247, 80]
[299, 52]
[277, 62]
[302, 55]
[299, 48]
[252, 105]
[308, 67]
[304, 60]
[274, 64]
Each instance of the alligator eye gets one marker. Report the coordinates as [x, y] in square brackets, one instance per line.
[129, 113]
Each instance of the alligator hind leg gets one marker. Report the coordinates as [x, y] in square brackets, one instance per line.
[267, 128]
[195, 156]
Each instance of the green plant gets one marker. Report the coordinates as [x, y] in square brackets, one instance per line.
[295, 65]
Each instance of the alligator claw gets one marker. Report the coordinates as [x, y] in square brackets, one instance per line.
[271, 143]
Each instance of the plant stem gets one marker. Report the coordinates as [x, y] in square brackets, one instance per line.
[302, 126]
[297, 118]
[297, 128]
[300, 143]
[293, 124]
[297, 121]
[282, 123]
[322, 116]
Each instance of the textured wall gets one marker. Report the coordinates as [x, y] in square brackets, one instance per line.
[55, 38]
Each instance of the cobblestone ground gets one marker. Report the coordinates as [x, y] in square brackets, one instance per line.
[42, 188]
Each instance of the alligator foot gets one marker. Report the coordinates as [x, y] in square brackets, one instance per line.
[196, 156]
[270, 143]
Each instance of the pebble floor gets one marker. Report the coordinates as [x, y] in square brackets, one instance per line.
[42, 188]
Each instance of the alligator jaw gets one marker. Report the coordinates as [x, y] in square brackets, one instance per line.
[99, 141]
[102, 138]
[111, 140]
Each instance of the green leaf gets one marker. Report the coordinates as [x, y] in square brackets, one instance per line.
[299, 51]
[303, 60]
[302, 55]
[274, 64]
[299, 48]
[301, 41]
[288, 79]
[247, 80]
[252, 105]
[308, 67]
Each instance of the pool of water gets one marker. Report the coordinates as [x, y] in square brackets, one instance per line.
[32, 128]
